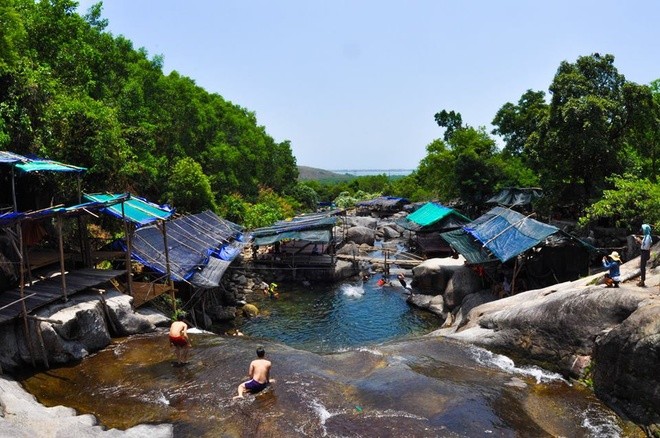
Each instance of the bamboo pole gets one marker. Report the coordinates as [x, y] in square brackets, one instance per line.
[61, 244]
[127, 236]
[40, 338]
[26, 329]
[167, 265]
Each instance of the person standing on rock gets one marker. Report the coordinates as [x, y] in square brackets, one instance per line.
[645, 243]
[179, 340]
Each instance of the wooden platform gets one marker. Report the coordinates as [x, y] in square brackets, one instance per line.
[47, 291]
[42, 258]
[298, 261]
[404, 263]
[145, 292]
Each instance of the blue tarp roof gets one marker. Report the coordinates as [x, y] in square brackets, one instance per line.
[504, 233]
[192, 240]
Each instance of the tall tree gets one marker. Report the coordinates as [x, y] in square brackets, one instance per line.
[450, 120]
[580, 144]
[518, 124]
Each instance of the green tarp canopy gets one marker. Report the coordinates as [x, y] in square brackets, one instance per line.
[27, 164]
[48, 166]
[136, 210]
[316, 229]
[430, 213]
[514, 196]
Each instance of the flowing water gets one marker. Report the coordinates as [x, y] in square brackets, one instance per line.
[349, 361]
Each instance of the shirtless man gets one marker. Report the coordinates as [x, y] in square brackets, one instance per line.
[179, 340]
[259, 374]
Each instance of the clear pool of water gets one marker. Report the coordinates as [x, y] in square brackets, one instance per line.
[327, 318]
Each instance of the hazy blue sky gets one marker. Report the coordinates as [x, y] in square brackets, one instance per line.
[356, 83]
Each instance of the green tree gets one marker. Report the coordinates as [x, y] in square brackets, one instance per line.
[475, 172]
[190, 190]
[630, 203]
[305, 196]
[435, 171]
[518, 123]
[643, 139]
[581, 143]
[12, 35]
[450, 120]
[233, 207]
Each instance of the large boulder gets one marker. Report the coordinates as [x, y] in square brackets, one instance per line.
[344, 269]
[469, 302]
[463, 282]
[10, 354]
[389, 232]
[550, 326]
[431, 276]
[82, 330]
[122, 318]
[626, 361]
[361, 221]
[361, 235]
[432, 303]
[69, 331]
[351, 248]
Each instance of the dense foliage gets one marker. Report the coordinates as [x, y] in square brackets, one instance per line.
[596, 127]
[71, 91]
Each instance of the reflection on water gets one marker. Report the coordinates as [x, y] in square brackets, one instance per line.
[323, 319]
[368, 382]
[423, 387]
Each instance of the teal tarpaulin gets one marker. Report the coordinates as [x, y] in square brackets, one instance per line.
[136, 210]
[431, 213]
[27, 164]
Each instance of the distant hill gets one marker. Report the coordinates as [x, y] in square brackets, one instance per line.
[306, 173]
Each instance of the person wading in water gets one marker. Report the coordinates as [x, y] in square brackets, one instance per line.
[179, 340]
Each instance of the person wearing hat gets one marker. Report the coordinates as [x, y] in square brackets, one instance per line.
[612, 262]
[645, 243]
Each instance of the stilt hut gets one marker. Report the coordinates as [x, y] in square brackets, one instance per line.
[305, 243]
[520, 252]
[426, 224]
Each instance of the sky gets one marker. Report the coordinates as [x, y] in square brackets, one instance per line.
[355, 84]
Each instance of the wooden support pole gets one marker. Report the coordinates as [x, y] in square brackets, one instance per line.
[42, 346]
[40, 319]
[62, 267]
[26, 329]
[129, 249]
[170, 282]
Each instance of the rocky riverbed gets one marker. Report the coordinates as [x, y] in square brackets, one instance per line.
[580, 328]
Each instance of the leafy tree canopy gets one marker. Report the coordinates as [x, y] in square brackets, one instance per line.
[72, 92]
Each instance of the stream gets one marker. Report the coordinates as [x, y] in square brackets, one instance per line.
[349, 360]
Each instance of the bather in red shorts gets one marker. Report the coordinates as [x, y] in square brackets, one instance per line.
[178, 341]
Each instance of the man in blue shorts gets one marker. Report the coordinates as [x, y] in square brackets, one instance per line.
[259, 374]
